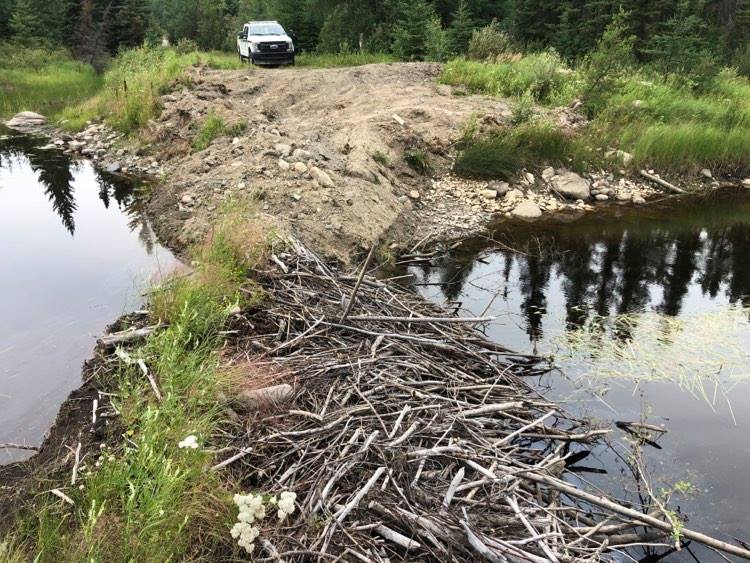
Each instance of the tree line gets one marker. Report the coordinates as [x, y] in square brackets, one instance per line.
[410, 29]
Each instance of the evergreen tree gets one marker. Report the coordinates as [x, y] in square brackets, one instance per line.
[24, 23]
[411, 34]
[461, 28]
[534, 21]
[130, 24]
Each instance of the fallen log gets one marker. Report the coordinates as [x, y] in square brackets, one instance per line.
[662, 183]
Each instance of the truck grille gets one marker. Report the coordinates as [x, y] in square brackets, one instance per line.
[272, 47]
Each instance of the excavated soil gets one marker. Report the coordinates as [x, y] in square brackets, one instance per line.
[309, 153]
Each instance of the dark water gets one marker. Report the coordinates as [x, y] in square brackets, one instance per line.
[75, 249]
[647, 314]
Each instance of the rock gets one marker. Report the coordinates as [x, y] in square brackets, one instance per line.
[602, 197]
[361, 171]
[746, 182]
[76, 145]
[187, 199]
[530, 178]
[527, 210]
[113, 168]
[414, 194]
[706, 173]
[284, 165]
[300, 167]
[501, 188]
[572, 186]
[513, 195]
[282, 149]
[26, 120]
[620, 156]
[488, 194]
[321, 177]
[296, 197]
[301, 155]
[624, 196]
[638, 199]
[548, 173]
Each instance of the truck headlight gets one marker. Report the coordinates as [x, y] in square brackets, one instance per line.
[290, 47]
[253, 47]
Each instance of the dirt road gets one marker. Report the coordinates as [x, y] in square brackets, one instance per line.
[323, 152]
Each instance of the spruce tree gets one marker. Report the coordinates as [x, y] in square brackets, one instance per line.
[130, 24]
[411, 33]
[25, 25]
[461, 28]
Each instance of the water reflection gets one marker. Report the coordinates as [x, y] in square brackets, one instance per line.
[56, 171]
[77, 253]
[609, 265]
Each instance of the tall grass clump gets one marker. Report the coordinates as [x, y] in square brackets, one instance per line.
[134, 83]
[542, 75]
[147, 496]
[532, 147]
[43, 80]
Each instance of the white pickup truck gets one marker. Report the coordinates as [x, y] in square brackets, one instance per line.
[265, 43]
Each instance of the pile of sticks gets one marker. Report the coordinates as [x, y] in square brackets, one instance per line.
[411, 436]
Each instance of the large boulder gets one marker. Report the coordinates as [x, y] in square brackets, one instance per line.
[571, 185]
[527, 210]
[26, 120]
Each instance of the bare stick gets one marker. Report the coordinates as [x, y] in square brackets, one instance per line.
[151, 380]
[366, 265]
[662, 183]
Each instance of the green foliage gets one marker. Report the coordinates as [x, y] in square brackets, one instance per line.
[606, 67]
[542, 75]
[531, 147]
[418, 161]
[461, 28]
[25, 24]
[42, 80]
[411, 34]
[437, 41]
[489, 43]
[214, 127]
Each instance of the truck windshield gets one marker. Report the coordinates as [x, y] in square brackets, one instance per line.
[266, 29]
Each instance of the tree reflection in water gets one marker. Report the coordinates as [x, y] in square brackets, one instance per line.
[56, 172]
[621, 261]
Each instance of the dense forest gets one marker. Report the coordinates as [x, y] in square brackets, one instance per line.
[664, 30]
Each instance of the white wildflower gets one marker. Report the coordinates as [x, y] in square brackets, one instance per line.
[189, 443]
[286, 504]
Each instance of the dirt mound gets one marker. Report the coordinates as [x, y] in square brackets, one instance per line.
[324, 151]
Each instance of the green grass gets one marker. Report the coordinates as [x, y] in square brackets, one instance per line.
[543, 76]
[144, 498]
[381, 158]
[214, 127]
[664, 122]
[330, 60]
[137, 78]
[532, 147]
[43, 81]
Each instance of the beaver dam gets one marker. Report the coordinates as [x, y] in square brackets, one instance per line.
[408, 435]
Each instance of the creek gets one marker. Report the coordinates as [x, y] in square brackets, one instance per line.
[77, 253]
[646, 313]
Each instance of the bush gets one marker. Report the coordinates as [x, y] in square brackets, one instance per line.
[418, 161]
[542, 75]
[185, 46]
[488, 43]
[741, 61]
[531, 147]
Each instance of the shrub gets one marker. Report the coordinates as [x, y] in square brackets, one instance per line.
[542, 75]
[488, 43]
[418, 161]
[185, 46]
[524, 110]
[381, 158]
[532, 147]
[741, 61]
